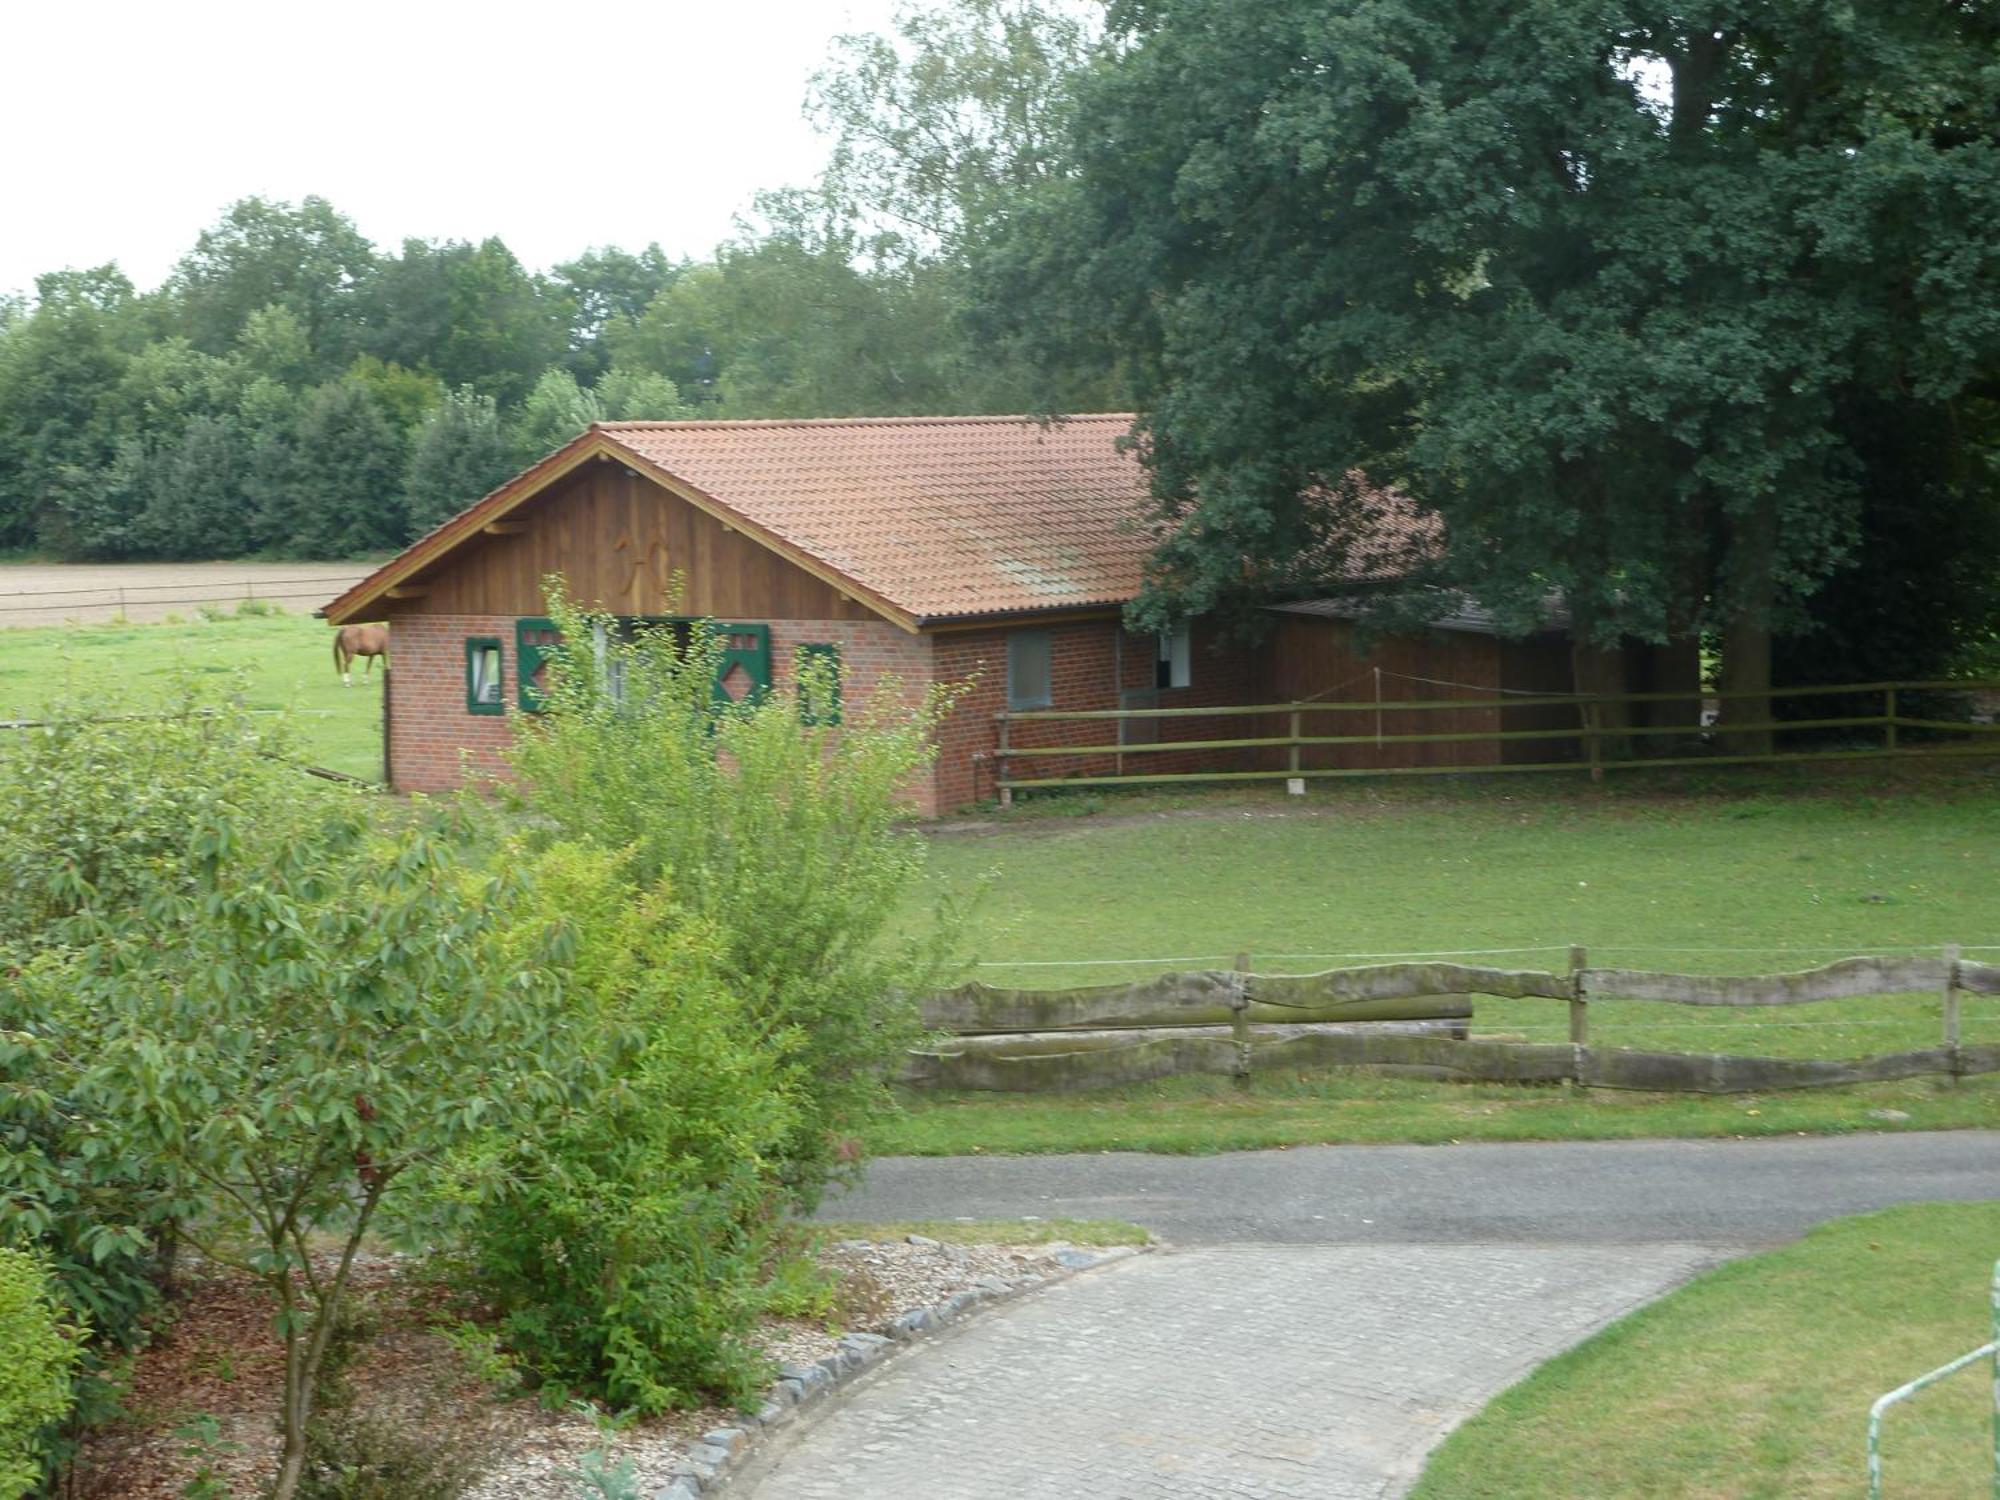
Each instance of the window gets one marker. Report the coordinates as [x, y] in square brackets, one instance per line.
[819, 702]
[1028, 669]
[534, 640]
[482, 676]
[1175, 667]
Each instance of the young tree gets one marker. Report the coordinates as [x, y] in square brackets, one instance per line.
[323, 1010]
[1591, 283]
[628, 395]
[457, 456]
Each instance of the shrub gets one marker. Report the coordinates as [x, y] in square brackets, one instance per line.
[779, 832]
[296, 1006]
[622, 1241]
[38, 1349]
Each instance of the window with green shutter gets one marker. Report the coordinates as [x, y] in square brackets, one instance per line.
[483, 692]
[535, 639]
[819, 700]
[743, 673]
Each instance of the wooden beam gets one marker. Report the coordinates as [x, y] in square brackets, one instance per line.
[505, 528]
[409, 591]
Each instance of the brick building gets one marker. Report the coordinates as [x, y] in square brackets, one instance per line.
[990, 551]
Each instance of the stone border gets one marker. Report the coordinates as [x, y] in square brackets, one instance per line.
[710, 1462]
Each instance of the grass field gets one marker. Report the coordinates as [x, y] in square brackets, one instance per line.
[1742, 874]
[1754, 1382]
[278, 663]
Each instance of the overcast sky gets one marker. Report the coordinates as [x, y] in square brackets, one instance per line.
[128, 127]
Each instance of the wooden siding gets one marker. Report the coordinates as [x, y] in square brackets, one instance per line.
[618, 539]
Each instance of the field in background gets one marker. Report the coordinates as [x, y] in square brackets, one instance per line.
[280, 663]
[1756, 1379]
[35, 594]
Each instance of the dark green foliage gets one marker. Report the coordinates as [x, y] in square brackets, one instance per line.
[457, 456]
[197, 493]
[338, 489]
[1592, 283]
[307, 259]
[470, 314]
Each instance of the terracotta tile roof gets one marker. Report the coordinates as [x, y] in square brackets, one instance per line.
[935, 517]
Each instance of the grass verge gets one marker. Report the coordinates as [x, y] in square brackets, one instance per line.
[1754, 1381]
[1197, 1116]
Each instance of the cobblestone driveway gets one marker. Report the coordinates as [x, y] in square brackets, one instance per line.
[1242, 1371]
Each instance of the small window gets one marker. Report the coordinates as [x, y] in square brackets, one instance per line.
[483, 693]
[1175, 667]
[821, 704]
[1028, 669]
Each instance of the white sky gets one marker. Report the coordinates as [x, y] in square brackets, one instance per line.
[128, 127]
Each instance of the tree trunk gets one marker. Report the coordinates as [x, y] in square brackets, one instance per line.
[1600, 669]
[1673, 666]
[1746, 632]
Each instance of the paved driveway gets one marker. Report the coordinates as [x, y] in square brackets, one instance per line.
[1326, 1315]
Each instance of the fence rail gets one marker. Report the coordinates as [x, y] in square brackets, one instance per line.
[1600, 726]
[1413, 1019]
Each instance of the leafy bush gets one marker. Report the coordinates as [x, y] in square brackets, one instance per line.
[622, 1242]
[38, 1349]
[779, 832]
[99, 815]
[292, 1005]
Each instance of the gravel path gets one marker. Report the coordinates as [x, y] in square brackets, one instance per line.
[1333, 1313]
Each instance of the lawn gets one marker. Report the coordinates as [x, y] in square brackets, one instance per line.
[1741, 873]
[278, 663]
[1754, 1382]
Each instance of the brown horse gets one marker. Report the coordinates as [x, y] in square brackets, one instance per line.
[351, 641]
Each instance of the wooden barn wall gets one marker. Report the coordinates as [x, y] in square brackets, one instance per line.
[1317, 658]
[1540, 664]
[619, 539]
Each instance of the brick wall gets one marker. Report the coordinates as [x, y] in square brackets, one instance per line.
[1090, 660]
[431, 736]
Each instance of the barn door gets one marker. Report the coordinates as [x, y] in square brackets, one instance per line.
[743, 672]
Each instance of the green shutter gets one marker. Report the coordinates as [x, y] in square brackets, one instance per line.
[827, 709]
[535, 640]
[747, 647]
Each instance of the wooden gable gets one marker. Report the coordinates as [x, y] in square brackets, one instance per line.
[618, 539]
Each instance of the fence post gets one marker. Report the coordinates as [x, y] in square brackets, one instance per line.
[1951, 952]
[1296, 717]
[1239, 1020]
[1579, 1007]
[1000, 766]
[1592, 716]
[1889, 719]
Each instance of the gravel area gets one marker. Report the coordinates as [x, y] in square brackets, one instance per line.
[220, 1358]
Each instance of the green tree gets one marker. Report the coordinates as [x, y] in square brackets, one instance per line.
[609, 287]
[470, 314]
[331, 485]
[197, 499]
[1591, 283]
[306, 258]
[557, 410]
[458, 455]
[640, 396]
[59, 371]
[943, 126]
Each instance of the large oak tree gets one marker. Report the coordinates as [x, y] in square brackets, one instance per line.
[1595, 279]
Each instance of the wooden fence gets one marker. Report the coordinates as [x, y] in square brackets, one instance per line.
[1412, 1019]
[1602, 737]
